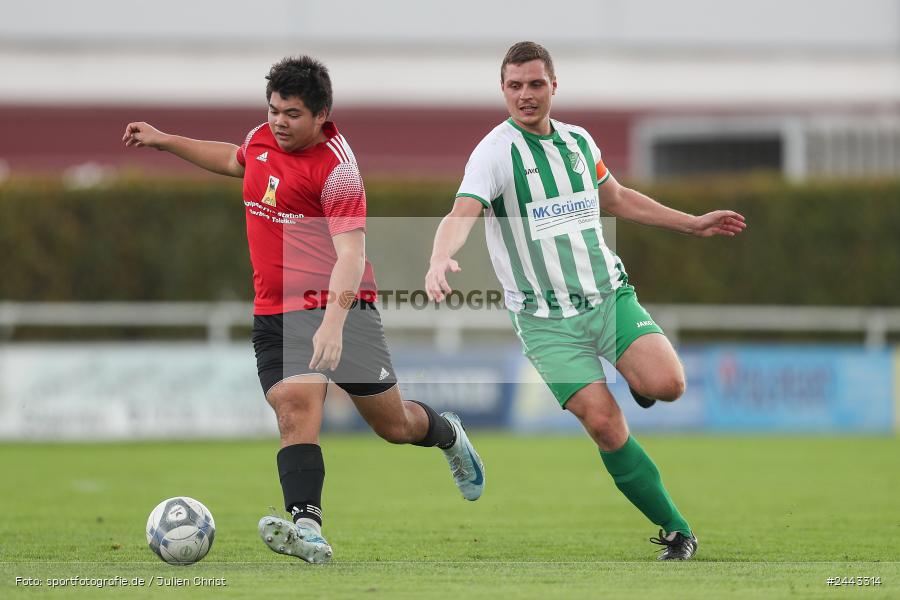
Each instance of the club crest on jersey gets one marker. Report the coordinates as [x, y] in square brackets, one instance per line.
[269, 197]
[576, 163]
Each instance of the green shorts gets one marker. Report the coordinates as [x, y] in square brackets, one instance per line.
[566, 351]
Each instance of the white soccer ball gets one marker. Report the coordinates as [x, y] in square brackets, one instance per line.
[180, 530]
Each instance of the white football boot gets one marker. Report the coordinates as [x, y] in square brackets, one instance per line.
[284, 537]
[465, 464]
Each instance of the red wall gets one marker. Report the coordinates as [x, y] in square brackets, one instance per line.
[426, 142]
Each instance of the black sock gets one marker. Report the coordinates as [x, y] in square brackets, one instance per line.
[302, 473]
[440, 432]
[306, 511]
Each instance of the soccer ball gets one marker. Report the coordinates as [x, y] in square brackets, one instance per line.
[180, 530]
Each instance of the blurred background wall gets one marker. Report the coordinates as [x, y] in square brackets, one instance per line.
[805, 87]
[124, 298]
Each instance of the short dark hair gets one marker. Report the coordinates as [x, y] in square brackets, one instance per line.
[301, 77]
[523, 52]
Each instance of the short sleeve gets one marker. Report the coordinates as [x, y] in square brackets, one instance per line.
[344, 199]
[241, 152]
[483, 179]
[602, 171]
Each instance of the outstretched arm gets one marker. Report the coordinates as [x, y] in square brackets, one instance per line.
[632, 205]
[450, 237]
[218, 157]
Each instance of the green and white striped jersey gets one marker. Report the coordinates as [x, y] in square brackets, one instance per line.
[542, 215]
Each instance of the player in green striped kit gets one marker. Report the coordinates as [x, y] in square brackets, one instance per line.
[540, 184]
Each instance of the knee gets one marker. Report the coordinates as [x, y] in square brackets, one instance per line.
[669, 388]
[290, 416]
[283, 402]
[606, 428]
[598, 423]
[291, 410]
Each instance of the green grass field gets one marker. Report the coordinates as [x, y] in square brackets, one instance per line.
[775, 518]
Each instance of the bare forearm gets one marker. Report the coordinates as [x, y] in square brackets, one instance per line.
[218, 157]
[634, 206]
[343, 287]
[451, 235]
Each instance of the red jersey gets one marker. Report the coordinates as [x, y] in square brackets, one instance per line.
[296, 202]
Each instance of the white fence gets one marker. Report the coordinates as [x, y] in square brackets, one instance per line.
[448, 326]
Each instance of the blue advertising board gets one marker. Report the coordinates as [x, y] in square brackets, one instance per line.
[476, 385]
[730, 388]
[749, 388]
[798, 388]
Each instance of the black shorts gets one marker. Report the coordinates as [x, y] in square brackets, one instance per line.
[283, 345]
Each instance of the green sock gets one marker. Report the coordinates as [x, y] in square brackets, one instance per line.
[638, 478]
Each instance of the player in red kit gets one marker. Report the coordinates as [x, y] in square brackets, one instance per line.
[314, 313]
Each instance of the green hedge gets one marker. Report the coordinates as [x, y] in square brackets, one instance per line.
[834, 243]
[821, 243]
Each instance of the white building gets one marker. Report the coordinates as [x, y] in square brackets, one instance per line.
[803, 86]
